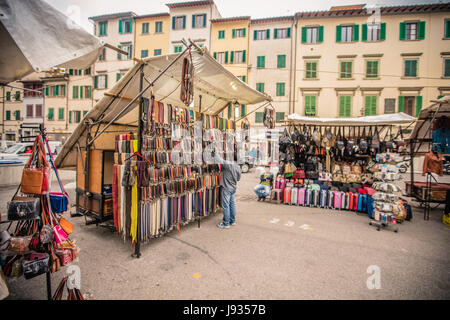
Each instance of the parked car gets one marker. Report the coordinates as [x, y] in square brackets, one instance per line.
[22, 150]
[5, 144]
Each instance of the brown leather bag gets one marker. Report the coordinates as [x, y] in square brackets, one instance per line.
[35, 180]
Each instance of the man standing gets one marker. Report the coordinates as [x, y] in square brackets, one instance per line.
[231, 174]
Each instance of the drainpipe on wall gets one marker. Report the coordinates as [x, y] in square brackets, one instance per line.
[294, 67]
[67, 104]
[3, 113]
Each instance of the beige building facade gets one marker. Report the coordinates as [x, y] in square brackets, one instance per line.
[151, 36]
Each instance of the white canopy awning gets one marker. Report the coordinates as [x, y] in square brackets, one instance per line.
[383, 119]
[36, 37]
[214, 88]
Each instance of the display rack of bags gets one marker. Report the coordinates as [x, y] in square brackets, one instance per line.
[37, 239]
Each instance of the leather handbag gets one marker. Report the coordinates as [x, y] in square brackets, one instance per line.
[299, 174]
[24, 208]
[35, 265]
[66, 226]
[35, 180]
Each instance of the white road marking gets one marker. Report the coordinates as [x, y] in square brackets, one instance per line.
[274, 220]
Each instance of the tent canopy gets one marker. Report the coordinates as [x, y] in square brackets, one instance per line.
[37, 37]
[384, 119]
[214, 88]
[421, 132]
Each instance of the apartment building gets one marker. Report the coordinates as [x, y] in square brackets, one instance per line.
[118, 30]
[350, 62]
[11, 116]
[271, 47]
[33, 105]
[151, 35]
[192, 20]
[230, 47]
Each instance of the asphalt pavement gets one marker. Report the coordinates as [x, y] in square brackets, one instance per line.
[274, 252]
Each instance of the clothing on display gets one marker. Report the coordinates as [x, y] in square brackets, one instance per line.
[433, 163]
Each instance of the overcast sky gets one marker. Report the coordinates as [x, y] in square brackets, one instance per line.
[80, 10]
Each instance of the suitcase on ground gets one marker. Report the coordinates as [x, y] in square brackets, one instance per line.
[301, 196]
[408, 211]
[323, 198]
[355, 201]
[315, 198]
[362, 203]
[347, 201]
[330, 200]
[337, 200]
[308, 197]
[287, 195]
[294, 195]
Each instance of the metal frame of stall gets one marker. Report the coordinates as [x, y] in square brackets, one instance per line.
[418, 142]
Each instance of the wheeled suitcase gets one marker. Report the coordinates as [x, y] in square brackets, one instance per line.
[337, 200]
[362, 203]
[301, 196]
[308, 197]
[315, 198]
[287, 195]
[347, 201]
[330, 200]
[355, 201]
[323, 198]
[294, 195]
[351, 200]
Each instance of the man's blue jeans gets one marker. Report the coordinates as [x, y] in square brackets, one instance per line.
[228, 206]
[259, 190]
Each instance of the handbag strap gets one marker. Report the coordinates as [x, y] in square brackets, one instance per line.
[52, 161]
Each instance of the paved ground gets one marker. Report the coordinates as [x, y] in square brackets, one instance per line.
[275, 252]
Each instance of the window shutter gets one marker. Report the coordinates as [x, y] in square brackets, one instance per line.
[95, 82]
[447, 28]
[244, 32]
[61, 114]
[242, 110]
[226, 56]
[56, 90]
[255, 35]
[90, 92]
[288, 32]
[383, 31]
[402, 30]
[356, 32]
[268, 33]
[348, 107]
[418, 105]
[119, 55]
[131, 24]
[106, 81]
[421, 34]
[229, 111]
[204, 20]
[17, 114]
[232, 57]
[184, 22]
[75, 92]
[173, 23]
[338, 34]
[244, 78]
[81, 92]
[193, 21]
[46, 91]
[215, 55]
[304, 32]
[63, 90]
[70, 116]
[364, 32]
[275, 33]
[320, 34]
[244, 55]
[234, 33]
[401, 104]
[120, 26]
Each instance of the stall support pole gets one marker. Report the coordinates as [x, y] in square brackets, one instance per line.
[411, 167]
[137, 249]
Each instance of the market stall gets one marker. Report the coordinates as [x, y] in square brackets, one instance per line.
[345, 164]
[122, 150]
[430, 139]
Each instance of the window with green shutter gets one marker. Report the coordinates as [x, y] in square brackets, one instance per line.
[261, 62]
[50, 113]
[8, 115]
[145, 28]
[447, 28]
[157, 52]
[410, 68]
[102, 26]
[345, 105]
[158, 27]
[75, 92]
[260, 86]
[310, 105]
[446, 68]
[279, 116]
[144, 54]
[259, 117]
[370, 105]
[346, 69]
[311, 70]
[419, 101]
[243, 110]
[372, 69]
[280, 89]
[221, 34]
[8, 95]
[61, 114]
[401, 104]
[178, 49]
[281, 61]
[17, 96]
[17, 114]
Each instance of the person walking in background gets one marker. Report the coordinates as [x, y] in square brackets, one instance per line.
[231, 174]
[264, 187]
